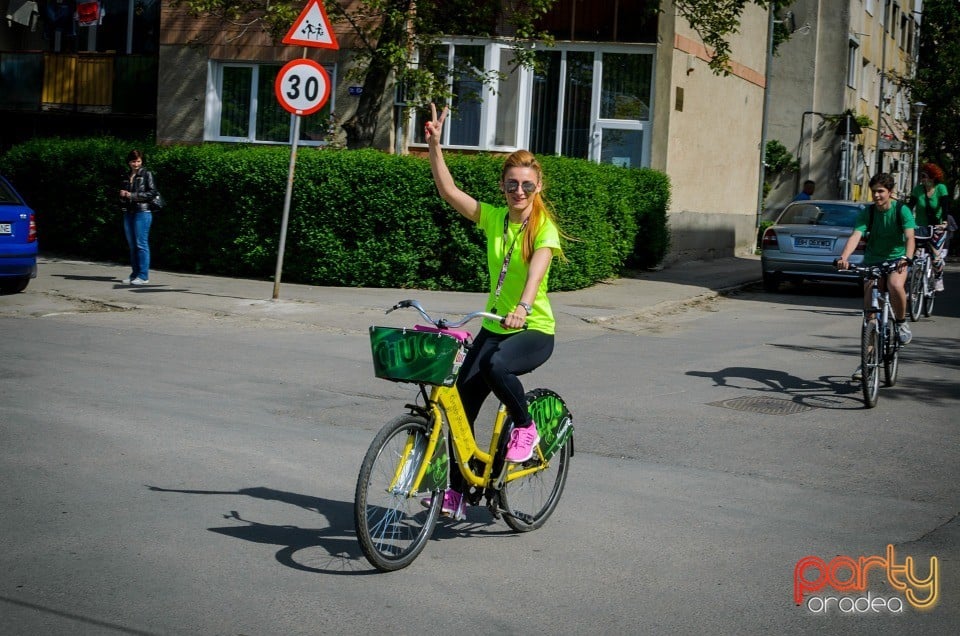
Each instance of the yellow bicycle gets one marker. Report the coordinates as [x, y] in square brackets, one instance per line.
[408, 459]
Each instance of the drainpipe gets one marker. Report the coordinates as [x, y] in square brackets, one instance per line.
[131, 6]
[763, 124]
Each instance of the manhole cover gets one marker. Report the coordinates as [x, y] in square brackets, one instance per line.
[764, 405]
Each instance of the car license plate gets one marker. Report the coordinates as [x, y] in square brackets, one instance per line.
[6, 228]
[815, 243]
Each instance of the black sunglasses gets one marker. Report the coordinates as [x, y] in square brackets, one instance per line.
[511, 186]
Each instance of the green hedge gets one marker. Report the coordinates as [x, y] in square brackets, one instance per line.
[357, 218]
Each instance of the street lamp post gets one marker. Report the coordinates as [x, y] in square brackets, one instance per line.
[883, 77]
[763, 116]
[918, 106]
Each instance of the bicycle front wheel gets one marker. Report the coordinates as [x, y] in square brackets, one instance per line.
[870, 362]
[915, 291]
[392, 525]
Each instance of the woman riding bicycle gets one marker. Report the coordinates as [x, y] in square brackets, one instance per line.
[522, 239]
[930, 201]
[890, 237]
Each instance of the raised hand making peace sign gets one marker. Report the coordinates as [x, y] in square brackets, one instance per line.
[433, 129]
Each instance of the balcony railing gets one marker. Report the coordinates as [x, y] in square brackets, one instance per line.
[78, 82]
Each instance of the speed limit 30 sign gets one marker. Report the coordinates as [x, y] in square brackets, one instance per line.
[302, 87]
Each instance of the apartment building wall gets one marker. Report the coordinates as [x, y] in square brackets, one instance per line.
[832, 64]
[705, 128]
[187, 46]
[708, 135]
[807, 96]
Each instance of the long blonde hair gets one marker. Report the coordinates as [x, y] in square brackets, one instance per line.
[542, 211]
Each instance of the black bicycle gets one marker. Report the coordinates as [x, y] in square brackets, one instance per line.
[921, 283]
[879, 341]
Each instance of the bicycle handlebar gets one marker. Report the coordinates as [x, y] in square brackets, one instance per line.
[874, 271]
[443, 323]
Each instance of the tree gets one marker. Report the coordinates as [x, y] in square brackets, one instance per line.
[392, 32]
[937, 84]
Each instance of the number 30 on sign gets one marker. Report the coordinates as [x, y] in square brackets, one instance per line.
[302, 87]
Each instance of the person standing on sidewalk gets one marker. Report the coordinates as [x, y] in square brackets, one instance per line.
[522, 239]
[807, 193]
[136, 194]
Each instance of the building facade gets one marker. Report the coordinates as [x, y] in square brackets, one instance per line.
[845, 58]
[78, 67]
[623, 84]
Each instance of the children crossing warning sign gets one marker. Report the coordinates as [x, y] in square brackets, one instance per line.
[312, 28]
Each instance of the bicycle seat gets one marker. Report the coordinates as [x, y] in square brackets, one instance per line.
[462, 335]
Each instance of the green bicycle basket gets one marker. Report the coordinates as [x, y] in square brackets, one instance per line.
[407, 355]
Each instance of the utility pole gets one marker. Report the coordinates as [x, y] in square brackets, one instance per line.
[883, 77]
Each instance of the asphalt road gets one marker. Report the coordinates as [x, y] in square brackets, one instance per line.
[170, 471]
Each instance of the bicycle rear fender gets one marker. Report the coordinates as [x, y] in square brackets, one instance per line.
[553, 418]
[555, 426]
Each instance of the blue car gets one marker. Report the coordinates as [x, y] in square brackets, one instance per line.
[18, 241]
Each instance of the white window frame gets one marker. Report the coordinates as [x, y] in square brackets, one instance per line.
[601, 124]
[495, 50]
[214, 103]
[853, 61]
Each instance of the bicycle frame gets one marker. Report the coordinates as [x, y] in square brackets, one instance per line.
[445, 405]
[445, 401]
[880, 310]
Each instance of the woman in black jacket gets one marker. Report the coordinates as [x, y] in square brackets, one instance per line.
[136, 194]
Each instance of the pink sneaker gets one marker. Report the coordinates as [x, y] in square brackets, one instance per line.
[521, 444]
[454, 505]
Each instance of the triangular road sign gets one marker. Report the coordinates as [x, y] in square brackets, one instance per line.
[312, 28]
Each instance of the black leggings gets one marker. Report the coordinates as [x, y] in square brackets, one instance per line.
[493, 364]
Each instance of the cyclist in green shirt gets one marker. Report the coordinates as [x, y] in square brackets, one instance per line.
[522, 239]
[890, 237]
[930, 202]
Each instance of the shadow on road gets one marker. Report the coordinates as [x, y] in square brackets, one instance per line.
[826, 392]
[330, 550]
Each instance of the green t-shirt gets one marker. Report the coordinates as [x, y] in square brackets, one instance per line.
[547, 235]
[886, 241]
[929, 210]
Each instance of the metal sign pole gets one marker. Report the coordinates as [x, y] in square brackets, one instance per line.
[286, 200]
[286, 207]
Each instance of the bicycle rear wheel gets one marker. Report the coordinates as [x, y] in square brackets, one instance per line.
[891, 356]
[915, 291]
[529, 501]
[870, 362]
[930, 295]
[392, 526]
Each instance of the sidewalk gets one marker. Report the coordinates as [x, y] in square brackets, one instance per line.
[70, 286]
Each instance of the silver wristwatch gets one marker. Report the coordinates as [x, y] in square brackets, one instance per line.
[526, 306]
